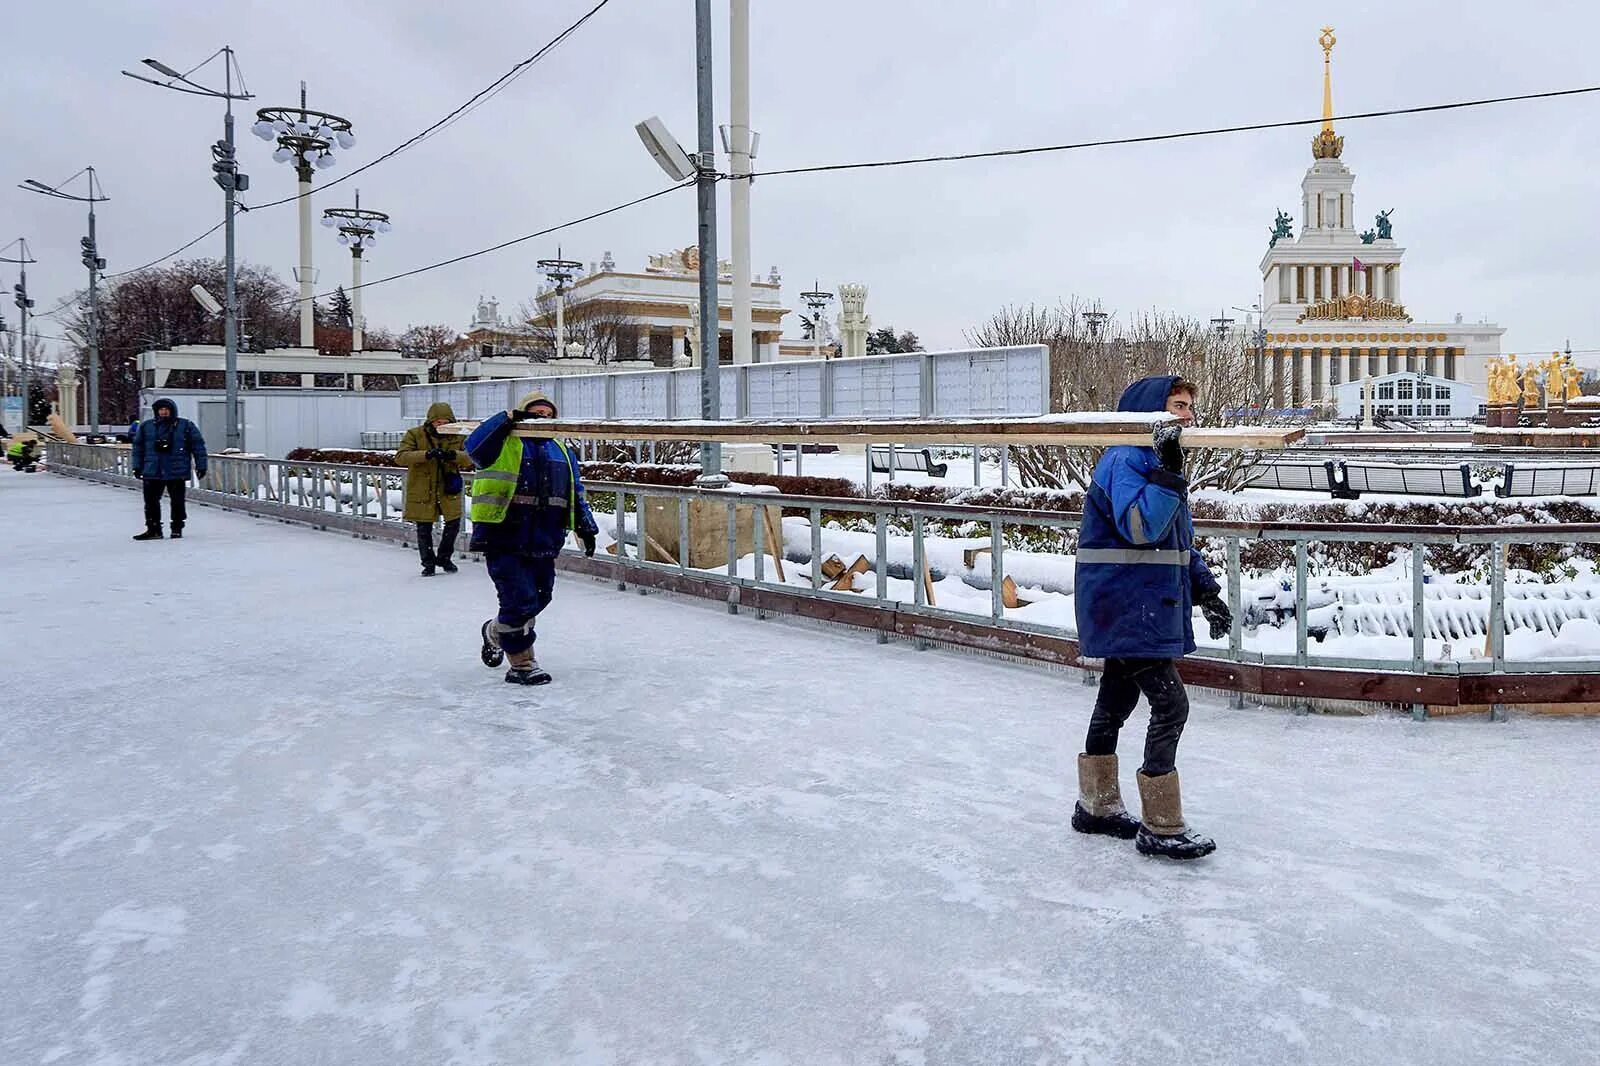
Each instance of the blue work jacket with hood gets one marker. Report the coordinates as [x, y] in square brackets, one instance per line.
[1138, 573]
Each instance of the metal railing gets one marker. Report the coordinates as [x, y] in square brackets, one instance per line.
[368, 500]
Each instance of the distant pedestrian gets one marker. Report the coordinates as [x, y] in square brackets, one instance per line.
[433, 486]
[1138, 580]
[21, 452]
[526, 497]
[165, 449]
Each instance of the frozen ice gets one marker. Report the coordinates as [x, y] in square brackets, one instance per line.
[261, 804]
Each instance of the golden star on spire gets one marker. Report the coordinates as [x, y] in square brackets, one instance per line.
[1327, 144]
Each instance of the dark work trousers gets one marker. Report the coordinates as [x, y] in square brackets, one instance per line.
[1120, 686]
[447, 541]
[153, 488]
[525, 585]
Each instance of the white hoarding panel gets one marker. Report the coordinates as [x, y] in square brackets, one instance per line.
[584, 396]
[415, 400]
[640, 395]
[686, 384]
[990, 381]
[784, 390]
[888, 387]
[487, 398]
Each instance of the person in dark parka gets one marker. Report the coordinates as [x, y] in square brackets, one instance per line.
[526, 498]
[165, 449]
[1138, 580]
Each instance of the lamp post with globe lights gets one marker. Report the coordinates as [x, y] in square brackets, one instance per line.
[560, 273]
[817, 301]
[307, 138]
[358, 228]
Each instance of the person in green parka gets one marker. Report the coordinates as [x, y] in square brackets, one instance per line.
[433, 486]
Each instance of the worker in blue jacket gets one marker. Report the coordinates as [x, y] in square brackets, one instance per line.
[526, 498]
[1138, 580]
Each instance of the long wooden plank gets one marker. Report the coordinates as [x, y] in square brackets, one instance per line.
[1058, 430]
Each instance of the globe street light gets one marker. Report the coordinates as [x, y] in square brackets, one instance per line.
[560, 271]
[306, 138]
[816, 300]
[358, 230]
[91, 260]
[225, 172]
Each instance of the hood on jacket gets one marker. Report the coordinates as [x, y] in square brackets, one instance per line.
[170, 405]
[440, 410]
[1148, 394]
[538, 397]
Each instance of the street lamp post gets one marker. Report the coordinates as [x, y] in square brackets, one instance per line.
[358, 229]
[1258, 337]
[560, 273]
[680, 167]
[306, 138]
[95, 264]
[24, 303]
[225, 172]
[817, 301]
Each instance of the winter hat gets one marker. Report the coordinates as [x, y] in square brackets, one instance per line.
[440, 410]
[537, 397]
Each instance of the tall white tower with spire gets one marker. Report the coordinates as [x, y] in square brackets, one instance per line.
[1330, 297]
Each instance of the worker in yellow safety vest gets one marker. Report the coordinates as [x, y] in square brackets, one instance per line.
[527, 498]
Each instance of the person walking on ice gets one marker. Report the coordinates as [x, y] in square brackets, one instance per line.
[433, 486]
[526, 497]
[1138, 580]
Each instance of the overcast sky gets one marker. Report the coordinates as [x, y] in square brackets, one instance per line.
[1495, 205]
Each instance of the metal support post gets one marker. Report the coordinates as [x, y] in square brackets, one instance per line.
[1235, 605]
[1419, 710]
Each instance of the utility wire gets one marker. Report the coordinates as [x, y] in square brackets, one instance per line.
[1184, 135]
[476, 99]
[176, 251]
[515, 240]
[482, 95]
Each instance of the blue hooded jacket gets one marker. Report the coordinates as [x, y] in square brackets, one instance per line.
[547, 473]
[1137, 571]
[184, 445]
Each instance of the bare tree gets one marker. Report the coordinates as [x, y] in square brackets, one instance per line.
[603, 328]
[1095, 355]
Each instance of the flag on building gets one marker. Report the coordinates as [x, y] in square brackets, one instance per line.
[1359, 265]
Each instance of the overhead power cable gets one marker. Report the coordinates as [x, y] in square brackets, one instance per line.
[484, 94]
[176, 251]
[516, 240]
[473, 102]
[1183, 135]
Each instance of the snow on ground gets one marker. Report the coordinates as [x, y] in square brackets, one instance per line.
[261, 804]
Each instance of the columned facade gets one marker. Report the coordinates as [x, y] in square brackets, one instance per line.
[1331, 295]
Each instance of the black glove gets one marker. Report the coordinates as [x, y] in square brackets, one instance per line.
[199, 475]
[447, 454]
[1216, 615]
[1168, 441]
[138, 476]
[522, 416]
[587, 540]
[433, 453]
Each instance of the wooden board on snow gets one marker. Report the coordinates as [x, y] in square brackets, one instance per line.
[1093, 430]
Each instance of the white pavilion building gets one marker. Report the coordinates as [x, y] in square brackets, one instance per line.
[1328, 322]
